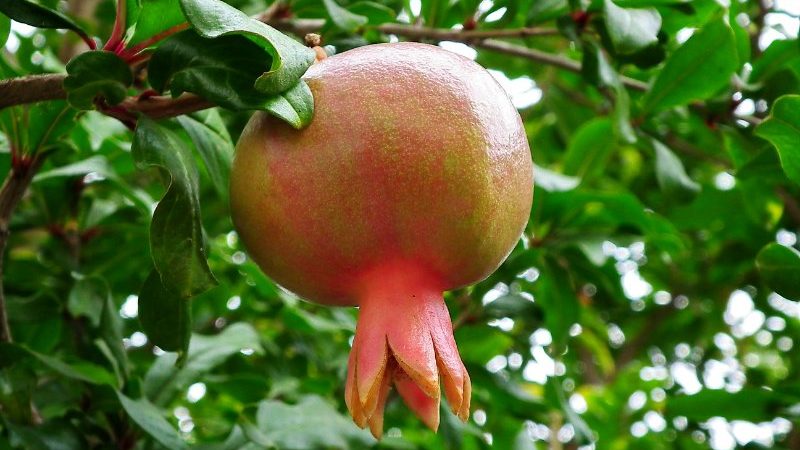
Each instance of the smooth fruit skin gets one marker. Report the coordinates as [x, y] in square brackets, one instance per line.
[415, 174]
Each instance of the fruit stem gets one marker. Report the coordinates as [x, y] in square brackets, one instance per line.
[314, 41]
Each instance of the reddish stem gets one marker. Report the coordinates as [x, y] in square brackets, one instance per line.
[120, 23]
[128, 54]
[89, 41]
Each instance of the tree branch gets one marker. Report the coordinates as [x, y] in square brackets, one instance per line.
[31, 89]
[35, 88]
[14, 187]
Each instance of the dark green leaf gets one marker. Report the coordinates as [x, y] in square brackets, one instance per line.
[782, 129]
[310, 424]
[165, 315]
[343, 18]
[697, 69]
[176, 234]
[511, 305]
[151, 421]
[631, 30]
[780, 268]
[35, 15]
[94, 74]
[207, 67]
[53, 435]
[290, 59]
[214, 145]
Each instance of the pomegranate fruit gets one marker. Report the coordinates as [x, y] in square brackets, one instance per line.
[413, 178]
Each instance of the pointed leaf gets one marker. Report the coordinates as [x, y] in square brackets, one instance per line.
[697, 69]
[35, 15]
[782, 129]
[164, 379]
[214, 145]
[631, 30]
[670, 173]
[176, 234]
[780, 268]
[342, 18]
[151, 421]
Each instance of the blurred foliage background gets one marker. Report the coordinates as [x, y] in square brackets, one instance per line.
[653, 302]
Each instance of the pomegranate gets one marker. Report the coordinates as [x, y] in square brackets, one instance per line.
[414, 177]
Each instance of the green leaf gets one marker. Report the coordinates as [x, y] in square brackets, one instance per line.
[295, 106]
[670, 173]
[754, 405]
[290, 59]
[553, 181]
[164, 379]
[52, 435]
[559, 300]
[111, 333]
[151, 421]
[76, 370]
[94, 74]
[780, 268]
[375, 13]
[589, 149]
[631, 30]
[310, 424]
[597, 70]
[38, 127]
[190, 63]
[99, 165]
[176, 234]
[554, 391]
[165, 315]
[35, 15]
[342, 18]
[782, 129]
[5, 29]
[511, 305]
[214, 144]
[779, 55]
[86, 298]
[153, 17]
[697, 69]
